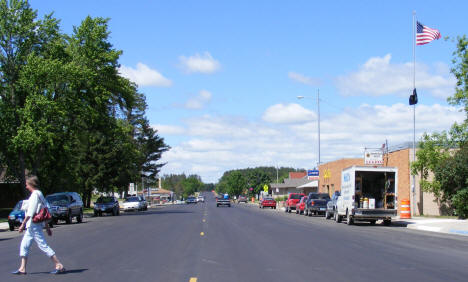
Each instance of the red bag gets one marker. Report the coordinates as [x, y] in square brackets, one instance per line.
[42, 215]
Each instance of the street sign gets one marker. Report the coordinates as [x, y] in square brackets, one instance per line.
[313, 174]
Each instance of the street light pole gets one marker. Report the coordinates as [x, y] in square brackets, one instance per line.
[318, 125]
[318, 122]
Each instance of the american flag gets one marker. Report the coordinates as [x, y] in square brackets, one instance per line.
[425, 34]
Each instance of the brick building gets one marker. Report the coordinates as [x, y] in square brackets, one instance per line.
[399, 157]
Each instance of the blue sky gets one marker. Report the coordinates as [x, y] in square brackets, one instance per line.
[221, 77]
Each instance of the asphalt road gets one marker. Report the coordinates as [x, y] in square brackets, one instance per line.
[201, 242]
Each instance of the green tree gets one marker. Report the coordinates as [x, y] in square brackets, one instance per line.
[452, 176]
[191, 185]
[460, 70]
[21, 35]
[235, 183]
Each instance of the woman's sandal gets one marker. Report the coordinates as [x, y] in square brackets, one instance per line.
[17, 272]
[59, 271]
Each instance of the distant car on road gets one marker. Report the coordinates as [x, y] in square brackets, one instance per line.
[300, 207]
[65, 206]
[242, 199]
[106, 205]
[201, 199]
[191, 200]
[223, 201]
[267, 202]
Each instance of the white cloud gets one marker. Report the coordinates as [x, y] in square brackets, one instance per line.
[199, 101]
[215, 144]
[303, 79]
[200, 63]
[169, 129]
[290, 113]
[144, 76]
[378, 77]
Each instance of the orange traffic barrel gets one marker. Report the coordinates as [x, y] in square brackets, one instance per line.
[405, 209]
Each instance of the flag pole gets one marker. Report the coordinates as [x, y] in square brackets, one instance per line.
[413, 187]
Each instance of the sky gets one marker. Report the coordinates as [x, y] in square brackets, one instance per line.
[221, 78]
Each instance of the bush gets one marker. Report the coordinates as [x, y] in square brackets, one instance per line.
[460, 203]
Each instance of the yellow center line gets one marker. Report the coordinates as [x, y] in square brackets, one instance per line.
[193, 279]
[204, 220]
[202, 233]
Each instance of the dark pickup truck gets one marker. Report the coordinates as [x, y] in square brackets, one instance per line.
[316, 203]
[223, 200]
[331, 205]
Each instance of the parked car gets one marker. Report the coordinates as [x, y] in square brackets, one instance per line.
[316, 203]
[106, 205]
[65, 206]
[267, 202]
[331, 205]
[293, 199]
[131, 204]
[143, 203]
[201, 199]
[300, 207]
[242, 199]
[191, 200]
[17, 215]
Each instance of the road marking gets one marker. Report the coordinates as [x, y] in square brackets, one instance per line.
[202, 233]
[193, 279]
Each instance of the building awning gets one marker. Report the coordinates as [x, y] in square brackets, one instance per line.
[311, 184]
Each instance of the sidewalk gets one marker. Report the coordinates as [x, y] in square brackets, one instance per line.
[440, 225]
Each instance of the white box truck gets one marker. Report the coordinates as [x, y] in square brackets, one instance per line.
[361, 185]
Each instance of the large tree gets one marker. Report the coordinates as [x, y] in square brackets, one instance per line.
[22, 35]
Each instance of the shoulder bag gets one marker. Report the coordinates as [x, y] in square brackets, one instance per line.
[43, 214]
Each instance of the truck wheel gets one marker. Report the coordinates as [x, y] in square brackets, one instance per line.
[79, 218]
[387, 222]
[337, 218]
[349, 219]
[69, 217]
[289, 210]
[12, 227]
[372, 222]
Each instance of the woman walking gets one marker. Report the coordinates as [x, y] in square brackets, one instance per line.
[33, 231]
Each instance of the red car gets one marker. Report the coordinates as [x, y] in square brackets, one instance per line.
[267, 202]
[301, 205]
[293, 199]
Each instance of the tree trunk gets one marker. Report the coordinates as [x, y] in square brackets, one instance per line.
[22, 172]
